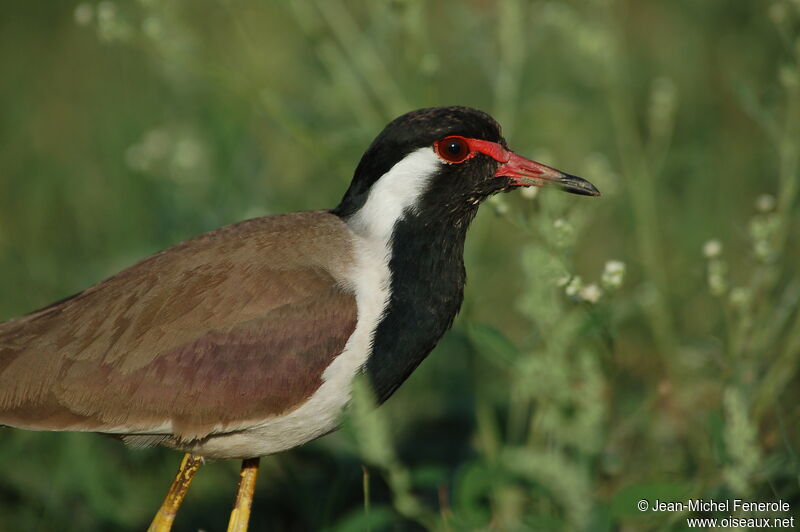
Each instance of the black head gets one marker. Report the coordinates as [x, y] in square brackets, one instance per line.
[414, 193]
[468, 161]
[410, 132]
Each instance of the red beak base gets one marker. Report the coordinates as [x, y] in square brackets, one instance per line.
[525, 172]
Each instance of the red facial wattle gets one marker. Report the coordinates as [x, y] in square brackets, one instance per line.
[520, 170]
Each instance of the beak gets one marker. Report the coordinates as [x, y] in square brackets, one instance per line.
[525, 173]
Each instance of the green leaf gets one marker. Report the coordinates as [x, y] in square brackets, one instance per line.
[429, 476]
[378, 518]
[473, 487]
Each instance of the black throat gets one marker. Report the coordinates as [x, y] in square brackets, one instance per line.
[427, 288]
[427, 242]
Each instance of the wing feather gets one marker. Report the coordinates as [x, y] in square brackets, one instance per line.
[229, 327]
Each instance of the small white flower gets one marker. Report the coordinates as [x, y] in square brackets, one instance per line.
[717, 277]
[574, 286]
[615, 267]
[111, 27]
[151, 150]
[765, 203]
[529, 192]
[763, 228]
[562, 281]
[613, 274]
[591, 293]
[712, 249]
[563, 234]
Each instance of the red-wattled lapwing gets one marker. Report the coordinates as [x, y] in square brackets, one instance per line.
[244, 341]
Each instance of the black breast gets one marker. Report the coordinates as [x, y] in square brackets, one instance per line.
[427, 288]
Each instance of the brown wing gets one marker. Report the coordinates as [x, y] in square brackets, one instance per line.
[232, 326]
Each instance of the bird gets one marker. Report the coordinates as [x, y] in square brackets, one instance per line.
[244, 341]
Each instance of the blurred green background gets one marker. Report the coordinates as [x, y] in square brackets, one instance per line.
[645, 344]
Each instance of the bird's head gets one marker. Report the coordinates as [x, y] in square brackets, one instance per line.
[442, 162]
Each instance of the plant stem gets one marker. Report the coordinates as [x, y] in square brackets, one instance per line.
[641, 186]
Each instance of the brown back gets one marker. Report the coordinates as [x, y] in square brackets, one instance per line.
[231, 326]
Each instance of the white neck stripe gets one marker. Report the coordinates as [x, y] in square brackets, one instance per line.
[394, 193]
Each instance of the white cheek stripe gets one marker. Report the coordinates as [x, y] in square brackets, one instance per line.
[393, 193]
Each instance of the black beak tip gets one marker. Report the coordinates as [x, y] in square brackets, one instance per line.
[578, 185]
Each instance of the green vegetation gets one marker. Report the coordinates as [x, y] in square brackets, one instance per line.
[642, 345]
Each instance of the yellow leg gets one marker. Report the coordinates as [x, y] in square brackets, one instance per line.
[162, 522]
[240, 516]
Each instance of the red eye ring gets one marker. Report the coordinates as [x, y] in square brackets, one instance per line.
[453, 149]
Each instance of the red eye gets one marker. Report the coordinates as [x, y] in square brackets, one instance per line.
[453, 149]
